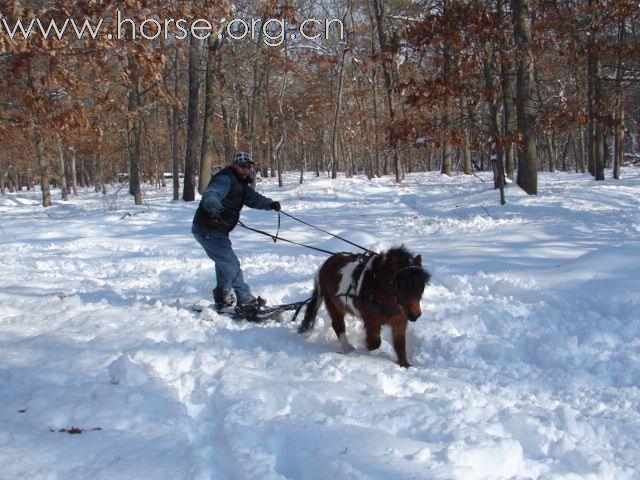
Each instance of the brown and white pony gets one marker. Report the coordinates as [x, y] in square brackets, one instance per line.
[381, 289]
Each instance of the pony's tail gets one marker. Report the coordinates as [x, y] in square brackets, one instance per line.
[311, 312]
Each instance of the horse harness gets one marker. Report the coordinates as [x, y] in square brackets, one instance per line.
[371, 301]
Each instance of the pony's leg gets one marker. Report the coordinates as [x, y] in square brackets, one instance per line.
[398, 331]
[337, 322]
[373, 334]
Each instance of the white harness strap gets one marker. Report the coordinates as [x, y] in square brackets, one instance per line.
[350, 286]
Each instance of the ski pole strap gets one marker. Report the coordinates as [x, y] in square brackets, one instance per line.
[328, 233]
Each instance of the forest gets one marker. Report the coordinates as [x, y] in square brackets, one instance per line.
[96, 93]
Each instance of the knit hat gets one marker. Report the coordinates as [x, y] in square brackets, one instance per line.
[242, 158]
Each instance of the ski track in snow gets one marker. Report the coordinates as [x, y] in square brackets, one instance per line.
[526, 359]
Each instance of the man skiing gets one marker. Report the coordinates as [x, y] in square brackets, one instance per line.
[218, 213]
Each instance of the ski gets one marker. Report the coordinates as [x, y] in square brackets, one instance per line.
[272, 312]
[267, 313]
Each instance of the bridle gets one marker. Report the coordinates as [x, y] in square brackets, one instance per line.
[394, 281]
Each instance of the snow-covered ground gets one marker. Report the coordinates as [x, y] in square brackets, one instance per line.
[526, 359]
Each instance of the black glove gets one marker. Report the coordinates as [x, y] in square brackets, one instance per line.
[226, 214]
[275, 206]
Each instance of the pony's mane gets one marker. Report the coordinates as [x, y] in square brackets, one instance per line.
[405, 256]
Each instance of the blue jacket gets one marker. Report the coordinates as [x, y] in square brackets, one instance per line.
[222, 200]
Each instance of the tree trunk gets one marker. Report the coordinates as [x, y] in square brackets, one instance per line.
[278, 156]
[208, 150]
[548, 138]
[63, 169]
[467, 166]
[377, 168]
[283, 127]
[508, 116]
[44, 169]
[551, 155]
[598, 127]
[577, 149]
[618, 159]
[303, 159]
[599, 149]
[134, 135]
[336, 117]
[497, 158]
[189, 189]
[388, 81]
[283, 135]
[526, 113]
[446, 147]
[227, 145]
[446, 117]
[320, 155]
[134, 162]
[508, 120]
[271, 126]
[74, 172]
[595, 94]
[174, 116]
[100, 186]
[583, 167]
[258, 77]
[618, 156]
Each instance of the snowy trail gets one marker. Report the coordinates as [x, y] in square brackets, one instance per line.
[526, 360]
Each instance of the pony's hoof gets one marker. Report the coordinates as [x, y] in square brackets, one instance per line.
[348, 348]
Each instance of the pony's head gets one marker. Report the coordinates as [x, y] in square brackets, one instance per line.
[408, 280]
